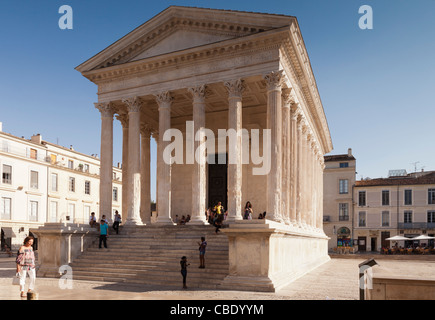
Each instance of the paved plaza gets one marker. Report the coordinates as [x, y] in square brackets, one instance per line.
[334, 280]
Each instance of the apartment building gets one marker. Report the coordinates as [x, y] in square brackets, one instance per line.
[44, 182]
[366, 212]
[402, 204]
[338, 181]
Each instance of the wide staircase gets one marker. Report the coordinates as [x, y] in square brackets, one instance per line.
[151, 255]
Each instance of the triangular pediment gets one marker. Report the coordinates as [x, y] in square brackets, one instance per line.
[181, 40]
[180, 28]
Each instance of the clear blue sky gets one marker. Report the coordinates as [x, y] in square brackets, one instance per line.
[377, 86]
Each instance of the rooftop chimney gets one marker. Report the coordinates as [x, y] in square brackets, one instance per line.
[349, 152]
[36, 138]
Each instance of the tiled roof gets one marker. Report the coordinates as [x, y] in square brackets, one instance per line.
[411, 179]
[339, 157]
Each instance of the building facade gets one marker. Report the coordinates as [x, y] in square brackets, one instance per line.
[43, 182]
[338, 183]
[366, 212]
[398, 205]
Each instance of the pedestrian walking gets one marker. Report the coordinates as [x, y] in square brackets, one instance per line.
[116, 221]
[202, 246]
[26, 265]
[184, 265]
[104, 233]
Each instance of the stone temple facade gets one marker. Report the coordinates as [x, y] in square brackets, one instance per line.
[201, 72]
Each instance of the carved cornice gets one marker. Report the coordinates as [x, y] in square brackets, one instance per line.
[230, 28]
[296, 61]
[235, 88]
[106, 109]
[229, 48]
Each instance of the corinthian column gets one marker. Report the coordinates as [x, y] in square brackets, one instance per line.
[164, 100]
[106, 159]
[274, 123]
[299, 173]
[199, 180]
[235, 89]
[304, 178]
[145, 174]
[133, 213]
[294, 161]
[286, 153]
[123, 118]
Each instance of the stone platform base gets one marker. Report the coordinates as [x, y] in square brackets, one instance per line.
[265, 255]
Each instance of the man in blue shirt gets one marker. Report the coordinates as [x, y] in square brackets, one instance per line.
[104, 232]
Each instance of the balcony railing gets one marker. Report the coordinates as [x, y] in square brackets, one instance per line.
[416, 225]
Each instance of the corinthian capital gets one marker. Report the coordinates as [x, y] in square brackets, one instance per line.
[105, 108]
[274, 79]
[164, 99]
[146, 129]
[235, 88]
[287, 96]
[198, 92]
[123, 118]
[134, 104]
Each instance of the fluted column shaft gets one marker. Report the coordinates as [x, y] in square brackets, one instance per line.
[123, 118]
[106, 158]
[305, 189]
[145, 174]
[199, 180]
[286, 154]
[274, 124]
[164, 101]
[134, 190]
[299, 172]
[293, 162]
[235, 89]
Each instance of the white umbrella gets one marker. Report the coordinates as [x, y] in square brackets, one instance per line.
[423, 237]
[398, 238]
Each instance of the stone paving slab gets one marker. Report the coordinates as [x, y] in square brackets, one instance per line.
[334, 280]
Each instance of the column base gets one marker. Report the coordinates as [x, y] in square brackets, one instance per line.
[133, 222]
[164, 221]
[198, 221]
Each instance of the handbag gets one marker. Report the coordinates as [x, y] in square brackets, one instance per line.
[16, 279]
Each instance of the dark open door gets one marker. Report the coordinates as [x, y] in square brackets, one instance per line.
[217, 181]
[362, 243]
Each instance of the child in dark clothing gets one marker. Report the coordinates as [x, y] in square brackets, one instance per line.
[184, 265]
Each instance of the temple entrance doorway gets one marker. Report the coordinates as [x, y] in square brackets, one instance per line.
[217, 180]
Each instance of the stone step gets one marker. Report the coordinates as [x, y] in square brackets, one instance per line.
[151, 256]
[161, 253]
[174, 276]
[152, 261]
